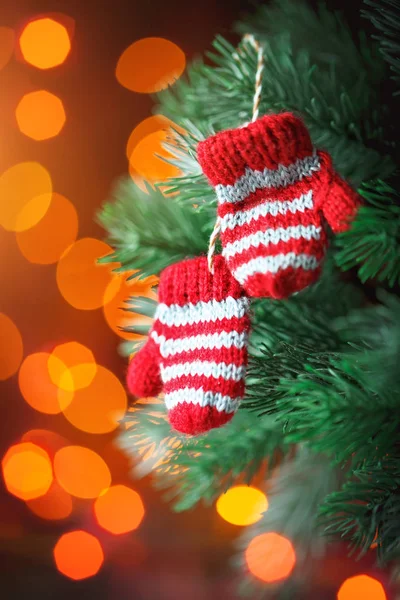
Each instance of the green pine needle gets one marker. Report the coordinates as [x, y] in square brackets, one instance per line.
[372, 244]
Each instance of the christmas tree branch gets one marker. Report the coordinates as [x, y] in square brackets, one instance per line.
[200, 469]
[295, 493]
[367, 509]
[149, 232]
[372, 244]
[385, 16]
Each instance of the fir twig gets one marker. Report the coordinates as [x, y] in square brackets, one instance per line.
[372, 244]
[200, 469]
[385, 16]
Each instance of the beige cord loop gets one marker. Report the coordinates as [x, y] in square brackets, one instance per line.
[212, 243]
[250, 39]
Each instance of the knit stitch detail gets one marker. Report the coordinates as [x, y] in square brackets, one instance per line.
[269, 178]
[204, 368]
[198, 396]
[270, 207]
[273, 264]
[202, 312]
[272, 236]
[211, 341]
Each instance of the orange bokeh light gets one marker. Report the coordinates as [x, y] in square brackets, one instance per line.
[361, 587]
[7, 39]
[145, 162]
[98, 407]
[242, 505]
[38, 389]
[11, 347]
[144, 128]
[81, 472]
[40, 115]
[50, 441]
[81, 280]
[72, 363]
[25, 195]
[270, 557]
[56, 231]
[45, 43]
[150, 65]
[119, 510]
[114, 314]
[56, 504]
[27, 471]
[78, 555]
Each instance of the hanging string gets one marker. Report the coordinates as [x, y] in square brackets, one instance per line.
[251, 40]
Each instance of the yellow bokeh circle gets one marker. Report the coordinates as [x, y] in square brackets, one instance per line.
[25, 195]
[242, 505]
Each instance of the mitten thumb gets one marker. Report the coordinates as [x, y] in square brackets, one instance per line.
[143, 377]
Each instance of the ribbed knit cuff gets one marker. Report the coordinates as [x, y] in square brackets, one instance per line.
[190, 281]
[270, 141]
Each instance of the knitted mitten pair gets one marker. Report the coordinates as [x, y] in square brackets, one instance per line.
[273, 191]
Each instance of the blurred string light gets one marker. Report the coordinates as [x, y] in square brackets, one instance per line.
[144, 128]
[11, 347]
[40, 115]
[73, 364]
[81, 472]
[27, 471]
[25, 195]
[149, 126]
[37, 388]
[147, 158]
[78, 555]
[242, 505]
[81, 280]
[119, 510]
[56, 504]
[115, 315]
[52, 235]
[270, 557]
[45, 43]
[7, 40]
[361, 587]
[98, 407]
[150, 65]
[50, 441]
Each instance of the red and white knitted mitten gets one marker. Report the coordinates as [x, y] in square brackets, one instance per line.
[197, 348]
[273, 188]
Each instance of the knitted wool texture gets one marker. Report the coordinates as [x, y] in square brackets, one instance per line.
[197, 347]
[273, 188]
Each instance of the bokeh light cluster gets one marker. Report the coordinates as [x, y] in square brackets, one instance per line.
[51, 474]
